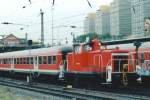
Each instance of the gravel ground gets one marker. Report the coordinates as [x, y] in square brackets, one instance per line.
[9, 93]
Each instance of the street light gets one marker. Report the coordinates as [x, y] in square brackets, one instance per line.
[9, 23]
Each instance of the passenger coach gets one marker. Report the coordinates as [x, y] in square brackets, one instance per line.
[35, 61]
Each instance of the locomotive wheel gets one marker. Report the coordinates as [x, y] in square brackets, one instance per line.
[36, 74]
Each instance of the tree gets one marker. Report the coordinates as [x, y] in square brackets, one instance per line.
[91, 36]
[82, 38]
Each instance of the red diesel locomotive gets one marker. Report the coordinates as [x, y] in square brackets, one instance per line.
[94, 61]
[85, 61]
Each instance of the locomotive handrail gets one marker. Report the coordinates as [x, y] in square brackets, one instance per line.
[124, 75]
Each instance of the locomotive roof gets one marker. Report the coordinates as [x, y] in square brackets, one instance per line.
[34, 52]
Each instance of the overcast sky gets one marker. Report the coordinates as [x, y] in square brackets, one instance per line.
[66, 12]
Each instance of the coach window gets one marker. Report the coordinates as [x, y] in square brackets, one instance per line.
[31, 60]
[142, 58]
[23, 60]
[7, 60]
[28, 60]
[0, 61]
[4, 61]
[14, 60]
[44, 59]
[20, 60]
[10, 61]
[40, 60]
[54, 59]
[49, 59]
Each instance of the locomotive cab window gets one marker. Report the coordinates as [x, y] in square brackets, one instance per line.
[87, 47]
[77, 49]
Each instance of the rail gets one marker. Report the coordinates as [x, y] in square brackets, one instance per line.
[73, 93]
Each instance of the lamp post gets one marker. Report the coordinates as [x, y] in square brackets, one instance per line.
[52, 9]
[42, 27]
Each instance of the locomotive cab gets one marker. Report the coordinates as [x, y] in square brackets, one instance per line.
[122, 72]
[93, 61]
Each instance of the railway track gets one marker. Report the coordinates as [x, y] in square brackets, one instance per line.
[71, 93]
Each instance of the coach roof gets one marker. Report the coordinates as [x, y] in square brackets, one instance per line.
[35, 52]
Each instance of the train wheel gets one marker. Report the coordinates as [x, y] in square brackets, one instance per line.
[29, 78]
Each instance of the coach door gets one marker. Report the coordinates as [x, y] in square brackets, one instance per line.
[36, 64]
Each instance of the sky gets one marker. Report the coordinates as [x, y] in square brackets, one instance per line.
[65, 13]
